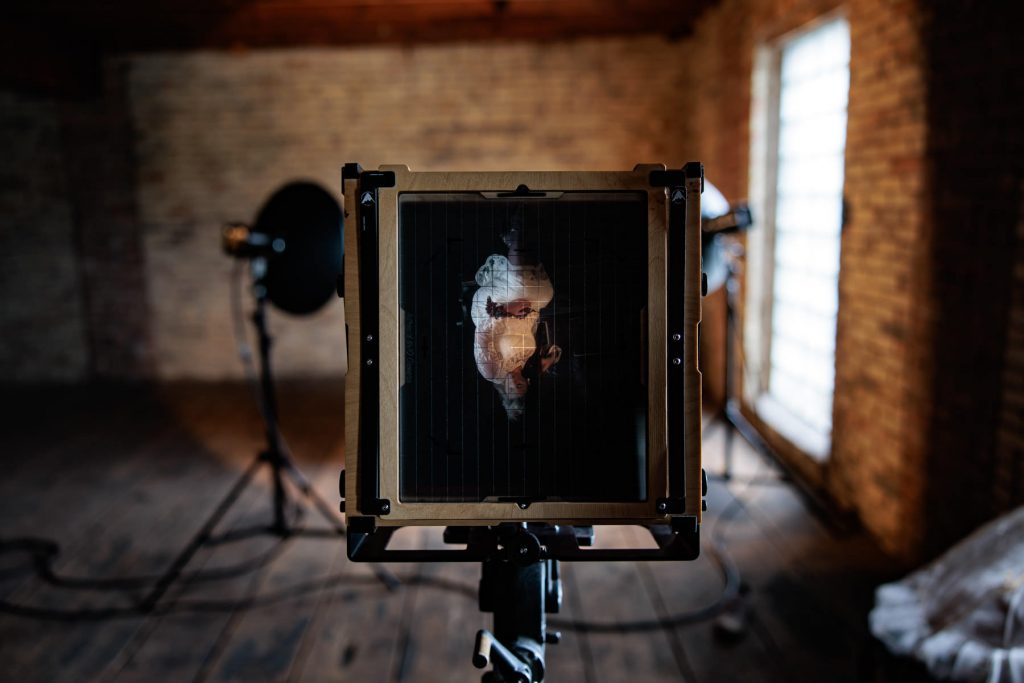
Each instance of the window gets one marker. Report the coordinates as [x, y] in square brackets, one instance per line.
[803, 91]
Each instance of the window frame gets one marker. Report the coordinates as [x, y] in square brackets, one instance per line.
[759, 297]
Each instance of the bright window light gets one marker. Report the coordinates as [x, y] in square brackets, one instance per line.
[813, 88]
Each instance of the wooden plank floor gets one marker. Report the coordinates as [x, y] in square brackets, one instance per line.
[102, 486]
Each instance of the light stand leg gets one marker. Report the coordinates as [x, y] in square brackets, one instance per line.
[280, 526]
[149, 602]
[731, 295]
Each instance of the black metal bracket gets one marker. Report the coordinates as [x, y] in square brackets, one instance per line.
[695, 169]
[675, 502]
[361, 525]
[372, 180]
[675, 183]
[368, 198]
[349, 171]
[671, 506]
[675, 177]
[522, 191]
[678, 540]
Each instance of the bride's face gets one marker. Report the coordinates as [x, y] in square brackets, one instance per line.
[517, 383]
[513, 392]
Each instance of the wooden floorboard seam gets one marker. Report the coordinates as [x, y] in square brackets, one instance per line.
[220, 644]
[242, 510]
[152, 621]
[400, 655]
[575, 604]
[658, 604]
[307, 566]
[322, 602]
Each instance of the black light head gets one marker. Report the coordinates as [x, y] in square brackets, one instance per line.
[302, 225]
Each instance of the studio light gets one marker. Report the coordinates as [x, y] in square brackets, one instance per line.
[295, 244]
[719, 219]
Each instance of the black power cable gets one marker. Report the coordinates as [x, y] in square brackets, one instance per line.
[729, 598]
[44, 554]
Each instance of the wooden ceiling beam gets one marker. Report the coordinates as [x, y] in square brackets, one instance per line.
[67, 30]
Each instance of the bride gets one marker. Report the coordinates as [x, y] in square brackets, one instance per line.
[506, 312]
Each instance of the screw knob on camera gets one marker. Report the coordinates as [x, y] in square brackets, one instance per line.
[525, 548]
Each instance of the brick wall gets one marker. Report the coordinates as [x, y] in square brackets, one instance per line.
[877, 454]
[41, 312]
[117, 199]
[969, 334]
[927, 430]
[886, 131]
[217, 132]
[99, 166]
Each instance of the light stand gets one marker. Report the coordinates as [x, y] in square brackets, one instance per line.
[294, 255]
[294, 252]
[281, 464]
[731, 252]
[721, 258]
[732, 415]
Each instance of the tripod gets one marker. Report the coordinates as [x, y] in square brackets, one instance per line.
[731, 414]
[520, 589]
[281, 468]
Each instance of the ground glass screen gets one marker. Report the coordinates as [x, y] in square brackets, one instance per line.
[523, 346]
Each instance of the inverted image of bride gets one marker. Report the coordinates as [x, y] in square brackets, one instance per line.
[506, 313]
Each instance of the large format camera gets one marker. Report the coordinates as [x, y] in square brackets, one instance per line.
[522, 367]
